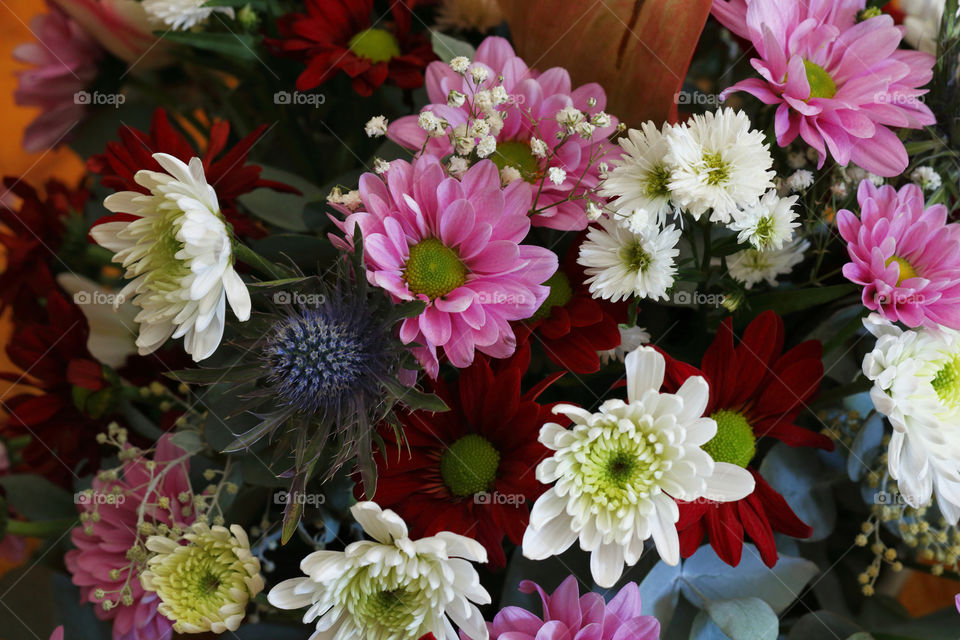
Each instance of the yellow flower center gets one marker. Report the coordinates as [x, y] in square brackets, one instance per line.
[821, 84]
[433, 269]
[469, 466]
[906, 269]
[734, 442]
[376, 45]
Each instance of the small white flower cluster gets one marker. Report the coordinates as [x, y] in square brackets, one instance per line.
[351, 199]
[846, 179]
[927, 178]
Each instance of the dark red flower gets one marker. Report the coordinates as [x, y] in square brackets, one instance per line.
[571, 325]
[31, 235]
[339, 35]
[755, 391]
[227, 172]
[469, 470]
[55, 360]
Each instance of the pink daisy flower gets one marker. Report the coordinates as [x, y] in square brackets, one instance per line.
[102, 545]
[64, 62]
[455, 245]
[839, 83]
[906, 257]
[530, 112]
[569, 616]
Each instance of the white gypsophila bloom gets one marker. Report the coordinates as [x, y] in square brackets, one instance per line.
[456, 98]
[434, 126]
[486, 146]
[593, 211]
[390, 588]
[180, 15]
[460, 64]
[640, 179]
[556, 175]
[767, 223]
[178, 256]
[538, 147]
[617, 473]
[509, 174]
[839, 189]
[799, 180]
[621, 263]
[927, 178]
[630, 339]
[601, 119]
[458, 166]
[718, 162]
[376, 127]
[499, 95]
[479, 73]
[479, 128]
[751, 266]
[381, 166]
[916, 384]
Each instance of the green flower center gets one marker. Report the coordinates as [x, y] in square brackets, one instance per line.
[764, 231]
[947, 383]
[616, 469]
[716, 168]
[734, 442]
[391, 609]
[166, 271]
[469, 466]
[635, 257]
[821, 84]
[657, 184]
[869, 12]
[906, 269]
[560, 294]
[433, 269]
[518, 155]
[376, 45]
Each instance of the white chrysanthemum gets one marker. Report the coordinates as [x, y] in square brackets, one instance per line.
[619, 472]
[178, 255]
[391, 588]
[622, 263]
[751, 266]
[630, 339]
[205, 584]
[767, 223]
[639, 181]
[916, 384]
[181, 15]
[718, 163]
[922, 23]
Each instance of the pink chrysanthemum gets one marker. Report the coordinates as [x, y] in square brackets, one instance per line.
[839, 83]
[906, 257]
[529, 112]
[454, 244]
[100, 560]
[64, 61]
[569, 616]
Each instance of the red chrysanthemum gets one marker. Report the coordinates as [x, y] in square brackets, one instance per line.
[31, 234]
[55, 361]
[227, 172]
[469, 470]
[755, 391]
[339, 35]
[571, 325]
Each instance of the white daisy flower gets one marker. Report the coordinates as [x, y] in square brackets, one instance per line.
[621, 263]
[718, 163]
[630, 339]
[639, 182]
[391, 588]
[767, 223]
[916, 384]
[178, 255]
[751, 266]
[181, 15]
[619, 472]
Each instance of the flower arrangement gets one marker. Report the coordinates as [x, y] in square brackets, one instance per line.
[450, 320]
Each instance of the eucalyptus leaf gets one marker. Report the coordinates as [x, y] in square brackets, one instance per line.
[447, 47]
[36, 498]
[744, 619]
[190, 441]
[798, 475]
[284, 210]
[824, 625]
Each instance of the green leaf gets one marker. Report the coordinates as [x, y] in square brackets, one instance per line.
[190, 441]
[230, 45]
[414, 398]
[36, 498]
[745, 619]
[785, 301]
[447, 47]
[284, 210]
[214, 376]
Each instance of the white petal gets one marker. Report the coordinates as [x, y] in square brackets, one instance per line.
[606, 564]
[552, 539]
[382, 526]
[729, 483]
[645, 369]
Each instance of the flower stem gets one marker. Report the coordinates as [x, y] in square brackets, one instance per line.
[245, 254]
[40, 529]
